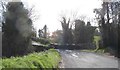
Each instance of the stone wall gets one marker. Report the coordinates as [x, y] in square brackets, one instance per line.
[75, 47]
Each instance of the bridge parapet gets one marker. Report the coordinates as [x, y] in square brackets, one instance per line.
[75, 47]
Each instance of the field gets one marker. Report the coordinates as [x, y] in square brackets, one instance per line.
[96, 40]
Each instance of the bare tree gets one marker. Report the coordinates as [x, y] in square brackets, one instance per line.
[67, 31]
[108, 20]
[32, 13]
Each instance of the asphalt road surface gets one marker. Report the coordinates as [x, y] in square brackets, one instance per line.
[78, 59]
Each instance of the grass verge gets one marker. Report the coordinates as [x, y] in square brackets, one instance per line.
[97, 50]
[48, 59]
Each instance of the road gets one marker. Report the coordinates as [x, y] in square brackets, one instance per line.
[78, 59]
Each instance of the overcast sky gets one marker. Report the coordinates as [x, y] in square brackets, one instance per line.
[49, 11]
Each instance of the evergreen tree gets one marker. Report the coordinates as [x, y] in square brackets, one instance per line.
[83, 33]
[17, 28]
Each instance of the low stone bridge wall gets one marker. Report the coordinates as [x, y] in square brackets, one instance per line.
[75, 47]
[39, 48]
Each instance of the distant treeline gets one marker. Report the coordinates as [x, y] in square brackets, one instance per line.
[82, 33]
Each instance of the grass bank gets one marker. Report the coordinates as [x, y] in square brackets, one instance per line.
[48, 59]
[97, 50]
